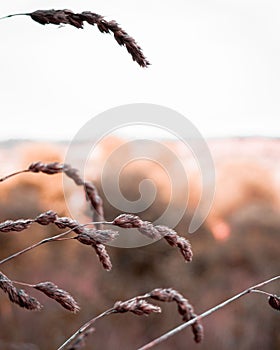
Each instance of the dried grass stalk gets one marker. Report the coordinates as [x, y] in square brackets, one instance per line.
[53, 168]
[48, 288]
[127, 221]
[156, 232]
[137, 307]
[198, 318]
[91, 192]
[59, 17]
[80, 342]
[46, 218]
[18, 296]
[123, 220]
[93, 237]
[149, 230]
[185, 309]
[59, 295]
[103, 256]
[96, 202]
[16, 226]
[96, 238]
[174, 240]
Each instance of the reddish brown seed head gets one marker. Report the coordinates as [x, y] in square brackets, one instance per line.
[128, 221]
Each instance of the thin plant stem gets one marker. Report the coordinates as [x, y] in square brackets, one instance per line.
[18, 172]
[84, 327]
[24, 284]
[35, 245]
[59, 237]
[100, 222]
[16, 14]
[204, 314]
[64, 239]
[261, 292]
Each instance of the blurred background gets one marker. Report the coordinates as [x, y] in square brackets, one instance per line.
[237, 246]
[217, 63]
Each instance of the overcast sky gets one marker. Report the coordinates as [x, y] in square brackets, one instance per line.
[216, 62]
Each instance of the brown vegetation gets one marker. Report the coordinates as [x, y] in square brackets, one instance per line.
[61, 17]
[220, 268]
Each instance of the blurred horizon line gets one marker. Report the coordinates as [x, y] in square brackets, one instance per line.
[124, 137]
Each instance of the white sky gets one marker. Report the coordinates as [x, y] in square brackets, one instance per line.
[216, 62]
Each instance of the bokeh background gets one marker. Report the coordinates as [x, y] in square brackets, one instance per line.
[217, 63]
[237, 246]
